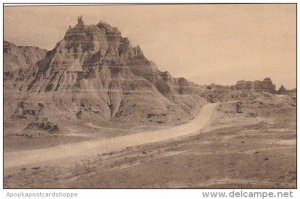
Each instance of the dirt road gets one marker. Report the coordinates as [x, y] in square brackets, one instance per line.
[17, 159]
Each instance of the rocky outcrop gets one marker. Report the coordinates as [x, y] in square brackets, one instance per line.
[265, 85]
[43, 124]
[25, 110]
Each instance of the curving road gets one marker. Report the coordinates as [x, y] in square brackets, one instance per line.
[16, 159]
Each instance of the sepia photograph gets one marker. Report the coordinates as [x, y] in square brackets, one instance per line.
[150, 96]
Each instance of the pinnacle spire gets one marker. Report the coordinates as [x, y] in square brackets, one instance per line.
[79, 19]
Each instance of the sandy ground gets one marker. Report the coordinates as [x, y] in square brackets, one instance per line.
[249, 153]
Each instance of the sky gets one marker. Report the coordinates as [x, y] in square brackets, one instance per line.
[205, 43]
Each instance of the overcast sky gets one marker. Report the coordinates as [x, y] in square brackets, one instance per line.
[203, 43]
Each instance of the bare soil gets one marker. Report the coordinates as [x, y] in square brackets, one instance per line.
[233, 152]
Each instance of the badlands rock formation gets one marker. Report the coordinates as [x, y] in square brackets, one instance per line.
[282, 90]
[95, 74]
[265, 85]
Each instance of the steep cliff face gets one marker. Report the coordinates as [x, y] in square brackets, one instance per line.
[94, 73]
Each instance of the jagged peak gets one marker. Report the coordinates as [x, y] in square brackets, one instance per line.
[80, 24]
[107, 27]
[80, 20]
[82, 28]
[138, 51]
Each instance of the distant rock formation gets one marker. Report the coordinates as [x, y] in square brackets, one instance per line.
[265, 85]
[282, 90]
